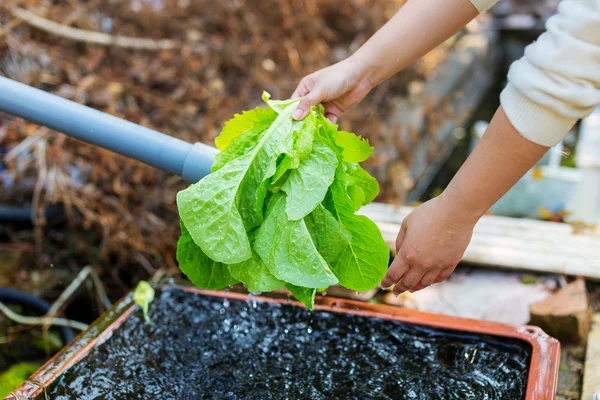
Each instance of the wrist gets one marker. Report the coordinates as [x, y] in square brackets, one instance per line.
[454, 205]
[365, 72]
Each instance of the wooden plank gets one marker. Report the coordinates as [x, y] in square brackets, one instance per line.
[511, 242]
[591, 375]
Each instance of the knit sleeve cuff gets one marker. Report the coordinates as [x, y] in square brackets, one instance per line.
[483, 5]
[534, 122]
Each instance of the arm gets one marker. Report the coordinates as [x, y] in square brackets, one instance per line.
[550, 88]
[418, 27]
[434, 236]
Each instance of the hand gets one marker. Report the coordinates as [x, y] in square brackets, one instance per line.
[431, 242]
[339, 87]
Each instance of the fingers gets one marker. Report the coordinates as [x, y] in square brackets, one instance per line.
[333, 111]
[426, 280]
[444, 274]
[311, 99]
[303, 88]
[417, 288]
[395, 272]
[409, 280]
[331, 117]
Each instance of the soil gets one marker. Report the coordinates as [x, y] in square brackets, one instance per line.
[202, 347]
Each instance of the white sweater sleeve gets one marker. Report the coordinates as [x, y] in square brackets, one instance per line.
[557, 81]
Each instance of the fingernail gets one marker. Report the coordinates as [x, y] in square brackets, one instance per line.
[297, 114]
[387, 288]
[333, 119]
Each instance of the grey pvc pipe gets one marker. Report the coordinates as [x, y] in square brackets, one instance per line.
[190, 161]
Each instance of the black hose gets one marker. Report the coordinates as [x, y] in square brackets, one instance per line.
[41, 307]
[23, 214]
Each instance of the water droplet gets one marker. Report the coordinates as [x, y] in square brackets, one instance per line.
[222, 311]
[309, 330]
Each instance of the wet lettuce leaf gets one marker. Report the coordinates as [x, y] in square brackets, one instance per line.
[254, 274]
[230, 201]
[305, 295]
[279, 208]
[307, 185]
[288, 249]
[198, 267]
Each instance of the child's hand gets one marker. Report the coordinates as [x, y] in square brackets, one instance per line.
[431, 242]
[339, 87]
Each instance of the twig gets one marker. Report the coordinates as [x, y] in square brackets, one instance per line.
[37, 212]
[6, 28]
[73, 286]
[67, 293]
[26, 144]
[86, 36]
[21, 319]
[100, 291]
[139, 257]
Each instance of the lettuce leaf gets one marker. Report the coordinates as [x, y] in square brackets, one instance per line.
[229, 202]
[329, 236]
[355, 149]
[239, 138]
[254, 274]
[361, 187]
[289, 251]
[307, 185]
[242, 123]
[201, 270]
[364, 260]
[305, 295]
[279, 208]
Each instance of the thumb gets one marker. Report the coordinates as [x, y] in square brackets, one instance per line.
[303, 107]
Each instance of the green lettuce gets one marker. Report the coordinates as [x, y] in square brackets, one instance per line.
[279, 208]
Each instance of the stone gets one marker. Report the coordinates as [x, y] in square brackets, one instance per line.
[565, 314]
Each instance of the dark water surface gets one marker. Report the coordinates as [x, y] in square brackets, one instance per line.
[209, 348]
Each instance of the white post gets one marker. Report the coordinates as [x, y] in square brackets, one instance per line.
[586, 201]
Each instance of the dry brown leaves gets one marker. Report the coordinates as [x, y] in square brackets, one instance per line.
[119, 211]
